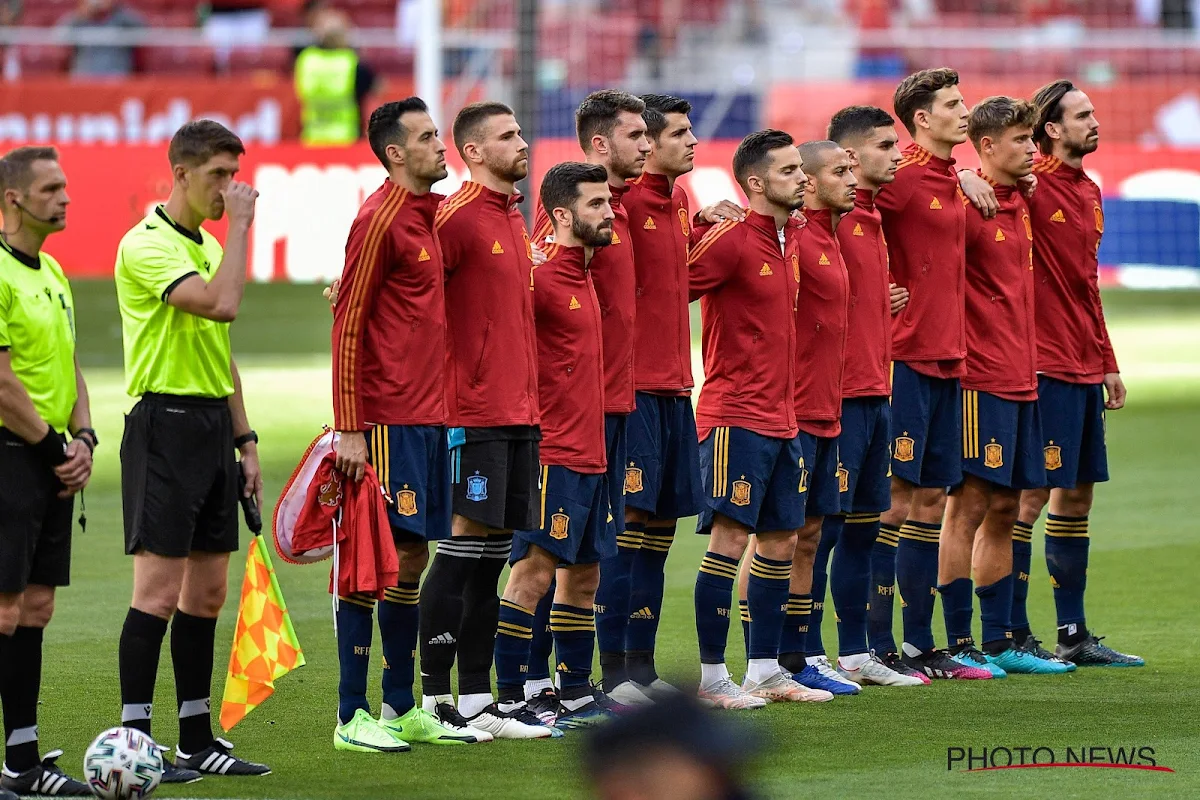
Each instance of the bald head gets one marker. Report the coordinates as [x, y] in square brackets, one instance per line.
[831, 181]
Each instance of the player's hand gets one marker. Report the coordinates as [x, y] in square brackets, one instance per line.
[351, 450]
[252, 470]
[331, 292]
[1114, 388]
[239, 202]
[899, 298]
[979, 192]
[538, 255]
[719, 212]
[1027, 184]
[76, 470]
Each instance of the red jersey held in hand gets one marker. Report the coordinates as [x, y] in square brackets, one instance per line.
[745, 280]
[659, 229]
[925, 224]
[491, 353]
[1068, 221]
[570, 362]
[615, 278]
[868, 366]
[821, 316]
[1001, 333]
[389, 323]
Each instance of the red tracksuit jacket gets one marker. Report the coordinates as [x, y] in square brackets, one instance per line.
[867, 371]
[821, 318]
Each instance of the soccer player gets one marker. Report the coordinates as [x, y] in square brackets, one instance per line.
[1078, 376]
[178, 290]
[491, 400]
[389, 408]
[574, 529]
[1001, 427]
[924, 222]
[750, 458]
[612, 134]
[43, 397]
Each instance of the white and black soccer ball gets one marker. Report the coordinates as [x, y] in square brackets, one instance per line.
[123, 764]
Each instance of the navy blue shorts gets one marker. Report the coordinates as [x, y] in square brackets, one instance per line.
[662, 468]
[926, 428]
[819, 475]
[615, 426]
[576, 522]
[864, 471]
[1073, 432]
[413, 465]
[1002, 440]
[752, 479]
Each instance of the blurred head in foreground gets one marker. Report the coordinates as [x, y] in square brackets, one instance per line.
[673, 750]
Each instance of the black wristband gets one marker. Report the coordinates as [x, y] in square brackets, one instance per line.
[52, 449]
[245, 439]
[90, 439]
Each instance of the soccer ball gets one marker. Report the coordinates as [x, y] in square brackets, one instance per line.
[122, 764]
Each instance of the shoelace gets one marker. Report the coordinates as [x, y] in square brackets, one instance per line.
[826, 670]
[449, 715]
[973, 655]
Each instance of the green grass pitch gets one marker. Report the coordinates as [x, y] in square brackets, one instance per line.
[885, 742]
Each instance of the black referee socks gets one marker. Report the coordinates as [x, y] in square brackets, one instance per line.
[141, 642]
[192, 642]
[20, 681]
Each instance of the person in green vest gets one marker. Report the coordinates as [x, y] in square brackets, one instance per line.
[331, 83]
[43, 400]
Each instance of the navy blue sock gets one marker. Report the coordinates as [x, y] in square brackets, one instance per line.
[543, 640]
[1066, 561]
[713, 595]
[957, 607]
[399, 619]
[514, 632]
[796, 627]
[574, 631]
[766, 597]
[646, 592]
[355, 628]
[883, 590]
[916, 579]
[613, 604]
[814, 642]
[995, 606]
[744, 614]
[1022, 563]
[850, 580]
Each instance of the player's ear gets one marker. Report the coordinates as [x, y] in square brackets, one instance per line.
[395, 154]
[600, 144]
[754, 184]
[470, 151]
[562, 216]
[853, 154]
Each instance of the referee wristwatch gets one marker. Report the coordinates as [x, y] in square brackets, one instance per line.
[88, 437]
[245, 439]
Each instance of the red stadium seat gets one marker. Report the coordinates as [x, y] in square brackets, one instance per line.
[365, 17]
[388, 60]
[176, 60]
[44, 60]
[244, 60]
[170, 18]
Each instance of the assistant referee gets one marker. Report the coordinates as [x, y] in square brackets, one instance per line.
[178, 291]
[42, 398]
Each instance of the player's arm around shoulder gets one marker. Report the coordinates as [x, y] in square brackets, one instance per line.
[220, 298]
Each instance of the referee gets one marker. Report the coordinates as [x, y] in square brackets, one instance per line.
[42, 397]
[177, 292]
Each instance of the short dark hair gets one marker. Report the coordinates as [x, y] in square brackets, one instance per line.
[855, 123]
[198, 141]
[992, 116]
[813, 153]
[598, 113]
[16, 167]
[560, 187]
[915, 93]
[1047, 104]
[384, 127]
[469, 122]
[657, 108]
[754, 151]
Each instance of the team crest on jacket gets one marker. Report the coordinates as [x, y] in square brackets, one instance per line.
[558, 525]
[904, 448]
[330, 492]
[993, 455]
[477, 488]
[528, 252]
[796, 267]
[1028, 226]
[633, 479]
[741, 493]
[1053, 456]
[406, 502]
[1099, 214]
[683, 222]
[843, 478]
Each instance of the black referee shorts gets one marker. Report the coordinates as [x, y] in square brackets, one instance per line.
[179, 477]
[35, 525]
[497, 476]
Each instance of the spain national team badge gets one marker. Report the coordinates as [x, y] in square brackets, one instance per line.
[477, 487]
[406, 502]
[904, 448]
[528, 250]
[1028, 226]
[843, 479]
[741, 493]
[633, 480]
[1053, 456]
[796, 267]
[330, 492]
[1099, 214]
[558, 525]
[683, 222]
[993, 455]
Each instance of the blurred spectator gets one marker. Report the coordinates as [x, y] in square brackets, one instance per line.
[1178, 14]
[10, 65]
[673, 750]
[103, 60]
[10, 10]
[331, 83]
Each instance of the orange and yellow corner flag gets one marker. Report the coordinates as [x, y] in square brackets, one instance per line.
[265, 647]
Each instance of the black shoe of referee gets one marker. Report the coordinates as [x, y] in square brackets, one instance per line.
[173, 773]
[44, 780]
[216, 760]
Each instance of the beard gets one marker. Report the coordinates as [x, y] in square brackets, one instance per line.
[630, 169]
[592, 236]
[788, 201]
[1083, 147]
[510, 172]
